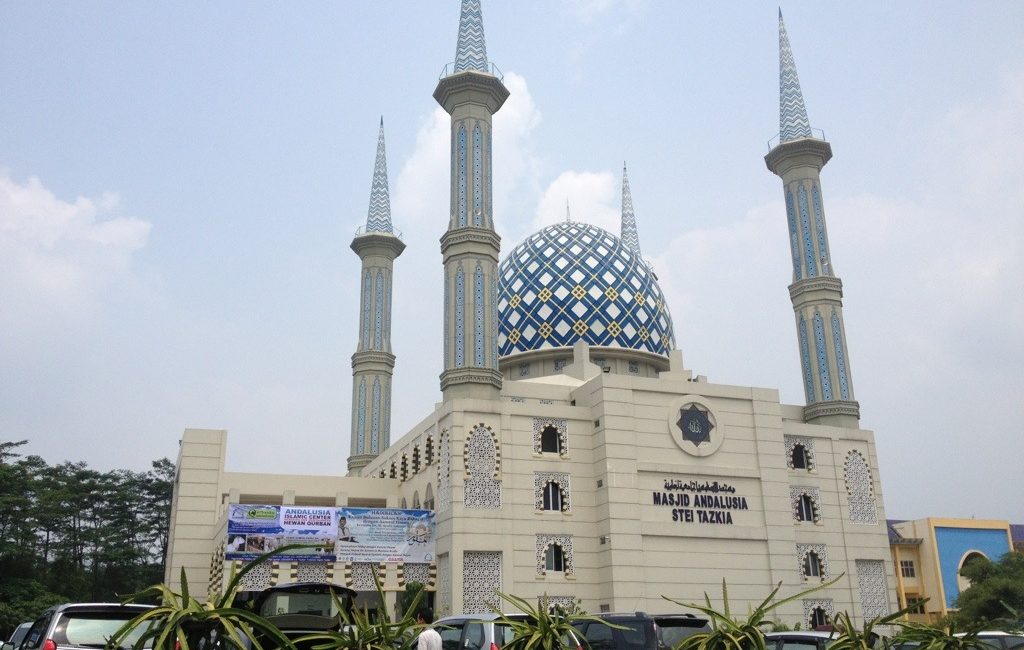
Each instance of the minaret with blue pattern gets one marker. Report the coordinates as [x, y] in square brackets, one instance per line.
[627, 231]
[373, 363]
[816, 291]
[471, 91]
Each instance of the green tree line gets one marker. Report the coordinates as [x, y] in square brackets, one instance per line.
[71, 533]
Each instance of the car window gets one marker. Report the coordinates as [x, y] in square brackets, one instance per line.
[798, 644]
[991, 641]
[94, 629]
[634, 635]
[1014, 642]
[451, 635]
[473, 636]
[503, 633]
[599, 636]
[34, 637]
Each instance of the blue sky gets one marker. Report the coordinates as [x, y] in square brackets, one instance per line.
[179, 183]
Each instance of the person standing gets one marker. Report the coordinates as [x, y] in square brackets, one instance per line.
[428, 639]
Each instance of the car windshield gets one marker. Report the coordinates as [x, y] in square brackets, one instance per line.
[93, 629]
[673, 630]
[316, 604]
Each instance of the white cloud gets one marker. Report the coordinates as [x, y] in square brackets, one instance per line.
[58, 255]
[593, 197]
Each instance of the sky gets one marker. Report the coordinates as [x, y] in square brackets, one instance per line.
[180, 182]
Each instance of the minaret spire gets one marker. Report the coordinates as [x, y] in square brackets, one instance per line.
[378, 217]
[793, 122]
[627, 232]
[816, 291]
[471, 50]
[471, 93]
[373, 362]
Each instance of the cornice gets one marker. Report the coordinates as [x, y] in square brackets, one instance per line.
[836, 407]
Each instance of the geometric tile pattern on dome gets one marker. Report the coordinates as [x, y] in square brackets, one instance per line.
[572, 281]
[378, 217]
[541, 480]
[481, 579]
[860, 492]
[793, 122]
[564, 542]
[808, 444]
[471, 49]
[825, 604]
[818, 549]
[483, 463]
[874, 594]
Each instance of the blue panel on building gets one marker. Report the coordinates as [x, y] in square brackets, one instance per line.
[954, 543]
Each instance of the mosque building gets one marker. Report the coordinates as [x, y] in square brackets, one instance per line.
[573, 456]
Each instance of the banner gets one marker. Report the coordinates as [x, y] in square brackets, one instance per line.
[385, 535]
[333, 534]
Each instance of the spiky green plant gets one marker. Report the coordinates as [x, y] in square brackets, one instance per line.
[941, 637]
[543, 627]
[361, 630]
[728, 633]
[181, 622]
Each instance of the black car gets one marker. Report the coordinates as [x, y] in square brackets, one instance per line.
[302, 608]
[640, 631]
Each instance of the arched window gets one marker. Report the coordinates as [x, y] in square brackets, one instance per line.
[416, 500]
[805, 508]
[404, 505]
[554, 558]
[812, 565]
[801, 460]
[819, 618]
[394, 471]
[405, 467]
[428, 498]
[553, 496]
[416, 459]
[428, 450]
[550, 441]
[383, 473]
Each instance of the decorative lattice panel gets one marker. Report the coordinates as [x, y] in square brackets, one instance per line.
[481, 578]
[818, 549]
[795, 492]
[540, 481]
[444, 473]
[560, 425]
[483, 462]
[216, 571]
[359, 575]
[443, 599]
[824, 603]
[567, 603]
[313, 572]
[259, 578]
[874, 592]
[564, 541]
[423, 573]
[791, 442]
[860, 493]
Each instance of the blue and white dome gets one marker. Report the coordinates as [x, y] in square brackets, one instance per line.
[573, 281]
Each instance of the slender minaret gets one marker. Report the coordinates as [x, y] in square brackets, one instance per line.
[627, 231]
[471, 93]
[373, 363]
[816, 291]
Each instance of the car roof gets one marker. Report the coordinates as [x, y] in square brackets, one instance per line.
[992, 633]
[810, 634]
[93, 606]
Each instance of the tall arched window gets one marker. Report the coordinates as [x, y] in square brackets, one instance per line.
[428, 498]
[550, 441]
[805, 508]
[819, 618]
[393, 473]
[554, 558]
[800, 457]
[416, 500]
[812, 565]
[416, 459]
[553, 496]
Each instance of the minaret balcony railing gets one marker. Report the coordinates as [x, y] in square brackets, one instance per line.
[361, 230]
[492, 69]
[776, 140]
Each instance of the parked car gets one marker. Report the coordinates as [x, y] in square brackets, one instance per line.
[302, 608]
[16, 636]
[996, 639]
[799, 640]
[80, 625]
[480, 632]
[640, 631]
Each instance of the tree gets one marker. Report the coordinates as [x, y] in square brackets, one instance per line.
[997, 589]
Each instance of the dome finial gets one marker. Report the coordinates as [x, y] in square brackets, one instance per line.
[471, 50]
[793, 122]
[378, 217]
[627, 231]
[568, 218]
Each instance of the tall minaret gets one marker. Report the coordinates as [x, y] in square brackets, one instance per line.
[471, 93]
[627, 231]
[373, 363]
[816, 291]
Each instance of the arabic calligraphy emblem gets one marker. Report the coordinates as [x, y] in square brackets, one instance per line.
[695, 425]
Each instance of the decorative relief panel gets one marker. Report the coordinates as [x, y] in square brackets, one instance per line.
[360, 575]
[443, 599]
[444, 473]
[818, 549]
[482, 459]
[481, 579]
[312, 572]
[564, 541]
[259, 578]
[540, 481]
[796, 491]
[793, 441]
[550, 602]
[560, 425]
[874, 592]
[860, 493]
[824, 603]
[417, 572]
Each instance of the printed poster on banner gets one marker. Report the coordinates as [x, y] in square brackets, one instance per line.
[257, 529]
[385, 535]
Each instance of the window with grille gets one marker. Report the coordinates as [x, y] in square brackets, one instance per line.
[800, 458]
[819, 617]
[550, 441]
[812, 565]
[805, 508]
[552, 496]
[907, 569]
[554, 558]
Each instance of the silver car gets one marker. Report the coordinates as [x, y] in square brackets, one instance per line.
[81, 625]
